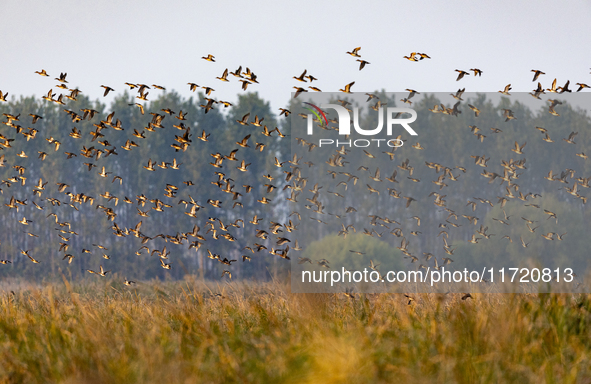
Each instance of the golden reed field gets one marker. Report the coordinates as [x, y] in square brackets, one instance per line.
[195, 332]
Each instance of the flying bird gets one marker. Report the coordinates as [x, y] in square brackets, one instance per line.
[355, 52]
[362, 63]
[107, 89]
[461, 74]
[347, 88]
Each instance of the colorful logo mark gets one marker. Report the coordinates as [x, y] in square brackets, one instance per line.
[316, 111]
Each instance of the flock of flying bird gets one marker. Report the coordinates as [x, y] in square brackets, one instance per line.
[293, 176]
[217, 228]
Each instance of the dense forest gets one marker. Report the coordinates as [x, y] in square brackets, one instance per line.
[134, 189]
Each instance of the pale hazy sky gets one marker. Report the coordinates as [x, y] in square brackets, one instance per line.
[113, 42]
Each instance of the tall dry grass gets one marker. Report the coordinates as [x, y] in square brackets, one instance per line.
[191, 332]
